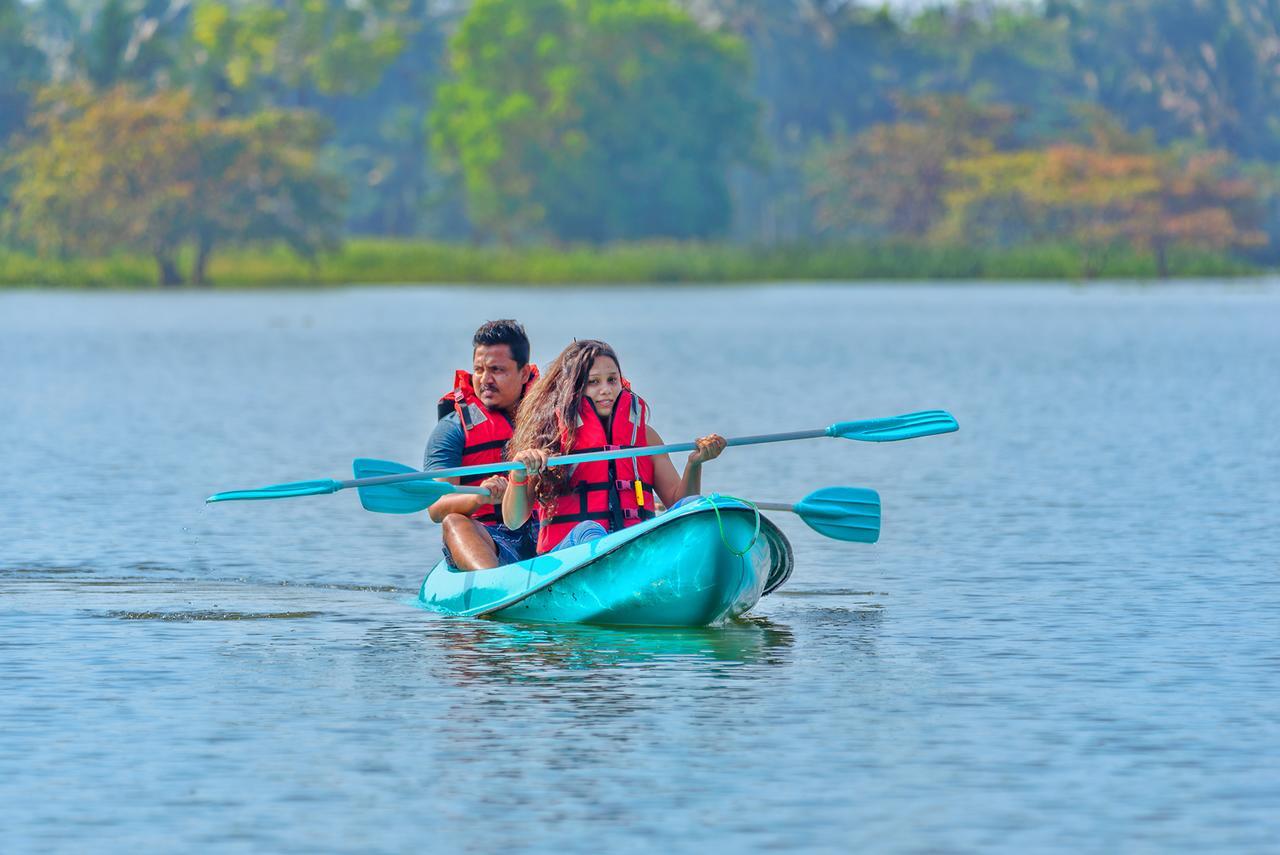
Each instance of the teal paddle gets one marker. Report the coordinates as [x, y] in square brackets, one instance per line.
[405, 497]
[841, 513]
[910, 426]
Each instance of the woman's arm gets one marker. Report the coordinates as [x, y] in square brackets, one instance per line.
[670, 487]
[515, 501]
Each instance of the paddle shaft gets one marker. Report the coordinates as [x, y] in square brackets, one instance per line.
[775, 506]
[473, 491]
[801, 510]
[892, 429]
[571, 459]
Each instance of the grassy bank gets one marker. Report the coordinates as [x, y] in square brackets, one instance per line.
[386, 261]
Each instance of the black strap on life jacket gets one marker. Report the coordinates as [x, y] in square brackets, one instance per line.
[485, 446]
[615, 500]
[601, 516]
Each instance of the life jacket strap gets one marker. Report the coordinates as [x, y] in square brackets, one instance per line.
[487, 446]
[621, 484]
[627, 513]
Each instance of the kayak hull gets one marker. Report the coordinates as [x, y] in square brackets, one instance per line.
[701, 564]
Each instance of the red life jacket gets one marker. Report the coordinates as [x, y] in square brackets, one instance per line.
[604, 490]
[487, 432]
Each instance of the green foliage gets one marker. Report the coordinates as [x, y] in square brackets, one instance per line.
[259, 182]
[593, 119]
[103, 54]
[22, 69]
[380, 144]
[138, 42]
[382, 261]
[997, 54]
[280, 52]
[106, 172]
[115, 170]
[1105, 130]
[1204, 69]
[22, 66]
[497, 123]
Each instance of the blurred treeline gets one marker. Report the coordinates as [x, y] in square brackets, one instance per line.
[173, 129]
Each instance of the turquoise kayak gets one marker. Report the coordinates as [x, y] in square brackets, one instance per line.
[700, 564]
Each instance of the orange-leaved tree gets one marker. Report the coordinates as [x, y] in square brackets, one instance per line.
[115, 170]
[107, 171]
[892, 179]
[1099, 196]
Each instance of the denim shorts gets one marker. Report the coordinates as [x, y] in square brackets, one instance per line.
[512, 546]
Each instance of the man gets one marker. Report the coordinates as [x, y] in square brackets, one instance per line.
[477, 418]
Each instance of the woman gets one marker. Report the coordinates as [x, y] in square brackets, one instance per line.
[583, 404]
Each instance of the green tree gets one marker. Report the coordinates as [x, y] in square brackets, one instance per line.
[380, 142]
[139, 42]
[22, 66]
[1202, 69]
[260, 182]
[995, 52]
[114, 170]
[107, 172]
[594, 119]
[103, 51]
[282, 53]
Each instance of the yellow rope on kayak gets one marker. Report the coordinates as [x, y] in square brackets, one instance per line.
[720, 522]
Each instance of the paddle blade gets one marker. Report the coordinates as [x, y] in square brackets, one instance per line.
[279, 491]
[910, 426]
[842, 513]
[405, 497]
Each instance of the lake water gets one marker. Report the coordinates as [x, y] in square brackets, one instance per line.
[1065, 640]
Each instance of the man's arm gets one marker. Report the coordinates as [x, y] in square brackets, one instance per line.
[444, 451]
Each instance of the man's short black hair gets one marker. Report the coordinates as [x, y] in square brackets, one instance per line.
[508, 332]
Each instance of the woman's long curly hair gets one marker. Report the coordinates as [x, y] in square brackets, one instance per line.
[548, 415]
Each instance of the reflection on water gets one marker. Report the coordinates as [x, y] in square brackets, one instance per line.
[533, 648]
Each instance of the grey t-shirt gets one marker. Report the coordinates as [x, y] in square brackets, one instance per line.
[445, 447]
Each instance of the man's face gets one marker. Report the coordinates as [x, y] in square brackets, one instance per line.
[497, 379]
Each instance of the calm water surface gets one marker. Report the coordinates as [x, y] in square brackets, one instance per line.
[1066, 639]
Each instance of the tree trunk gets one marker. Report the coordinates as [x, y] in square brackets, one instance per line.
[1162, 259]
[203, 250]
[170, 276]
[1091, 261]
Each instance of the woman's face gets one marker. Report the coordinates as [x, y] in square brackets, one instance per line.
[604, 385]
